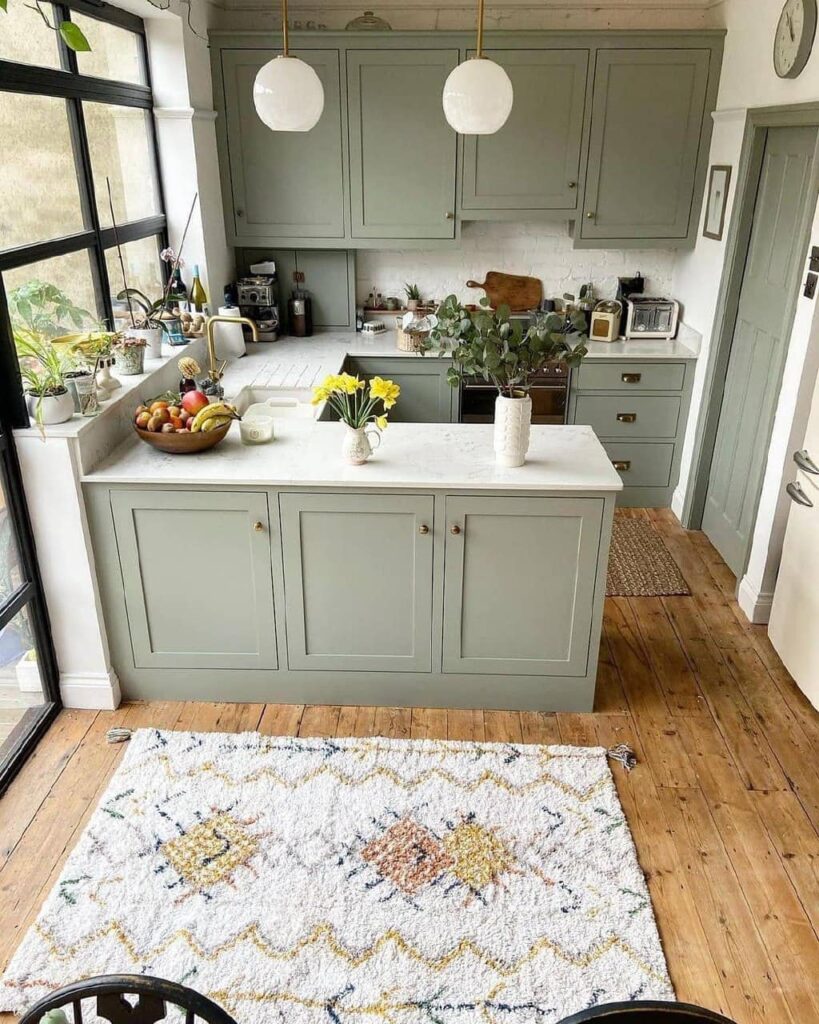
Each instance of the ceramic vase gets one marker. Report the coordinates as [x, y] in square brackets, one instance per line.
[131, 360]
[357, 446]
[513, 419]
[105, 382]
[152, 337]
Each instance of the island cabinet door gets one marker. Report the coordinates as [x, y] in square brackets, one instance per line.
[197, 576]
[358, 581]
[402, 151]
[519, 584]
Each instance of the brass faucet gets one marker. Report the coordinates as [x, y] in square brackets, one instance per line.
[216, 372]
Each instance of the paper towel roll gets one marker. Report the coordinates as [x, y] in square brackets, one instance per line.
[229, 338]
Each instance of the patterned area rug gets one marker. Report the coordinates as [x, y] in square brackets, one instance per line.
[640, 565]
[355, 880]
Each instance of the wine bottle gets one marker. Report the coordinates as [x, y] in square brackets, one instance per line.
[199, 296]
[178, 293]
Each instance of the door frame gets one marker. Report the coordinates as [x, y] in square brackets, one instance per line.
[757, 123]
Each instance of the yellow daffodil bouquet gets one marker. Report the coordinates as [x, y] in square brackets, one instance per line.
[355, 403]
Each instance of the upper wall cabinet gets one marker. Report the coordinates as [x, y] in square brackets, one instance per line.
[533, 163]
[644, 147]
[402, 151]
[282, 184]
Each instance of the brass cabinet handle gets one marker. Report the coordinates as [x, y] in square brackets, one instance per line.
[258, 527]
[449, 215]
[591, 215]
[423, 529]
[455, 529]
[626, 417]
[621, 465]
[631, 378]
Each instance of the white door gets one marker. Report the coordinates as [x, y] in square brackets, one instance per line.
[795, 613]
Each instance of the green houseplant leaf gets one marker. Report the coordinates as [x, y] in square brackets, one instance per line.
[74, 37]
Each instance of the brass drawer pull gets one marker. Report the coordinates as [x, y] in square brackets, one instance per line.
[455, 529]
[631, 378]
[621, 465]
[423, 529]
[626, 417]
[258, 527]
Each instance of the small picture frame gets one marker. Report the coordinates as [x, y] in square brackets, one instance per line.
[719, 182]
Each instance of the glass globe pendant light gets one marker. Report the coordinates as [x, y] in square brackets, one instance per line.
[287, 93]
[478, 94]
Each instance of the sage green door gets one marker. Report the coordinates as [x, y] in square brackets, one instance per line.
[533, 162]
[519, 583]
[196, 571]
[759, 344]
[283, 184]
[358, 571]
[402, 151]
[426, 396]
[647, 117]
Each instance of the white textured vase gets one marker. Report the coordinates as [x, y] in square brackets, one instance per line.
[153, 339]
[513, 418]
[357, 446]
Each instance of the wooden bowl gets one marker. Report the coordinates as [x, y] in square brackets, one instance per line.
[184, 444]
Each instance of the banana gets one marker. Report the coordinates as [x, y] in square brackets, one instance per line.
[209, 412]
[214, 423]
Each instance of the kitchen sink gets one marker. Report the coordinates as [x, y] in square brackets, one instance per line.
[284, 403]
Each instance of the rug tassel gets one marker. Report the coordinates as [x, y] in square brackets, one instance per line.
[119, 735]
[624, 754]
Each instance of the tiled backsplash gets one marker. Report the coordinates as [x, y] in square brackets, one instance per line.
[539, 250]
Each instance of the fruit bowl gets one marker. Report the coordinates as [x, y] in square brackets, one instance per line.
[184, 442]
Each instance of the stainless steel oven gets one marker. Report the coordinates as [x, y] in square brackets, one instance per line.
[549, 393]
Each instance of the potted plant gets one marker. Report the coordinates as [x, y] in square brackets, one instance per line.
[357, 407]
[97, 349]
[129, 351]
[148, 322]
[41, 367]
[413, 296]
[495, 348]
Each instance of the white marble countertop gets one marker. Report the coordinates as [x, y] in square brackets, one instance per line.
[412, 455]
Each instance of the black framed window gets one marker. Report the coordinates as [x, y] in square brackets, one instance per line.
[71, 124]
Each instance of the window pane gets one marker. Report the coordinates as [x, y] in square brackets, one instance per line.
[115, 52]
[11, 573]
[142, 271]
[25, 37]
[39, 195]
[53, 297]
[121, 150]
[21, 687]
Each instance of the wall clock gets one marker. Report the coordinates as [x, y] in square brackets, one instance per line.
[794, 37]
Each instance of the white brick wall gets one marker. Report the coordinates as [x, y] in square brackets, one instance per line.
[539, 250]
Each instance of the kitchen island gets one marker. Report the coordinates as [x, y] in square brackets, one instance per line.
[426, 577]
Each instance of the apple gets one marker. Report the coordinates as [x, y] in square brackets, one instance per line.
[193, 401]
[156, 406]
[168, 428]
[143, 419]
[173, 410]
[140, 409]
[154, 424]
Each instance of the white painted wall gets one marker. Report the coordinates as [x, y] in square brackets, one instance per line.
[749, 80]
[539, 250]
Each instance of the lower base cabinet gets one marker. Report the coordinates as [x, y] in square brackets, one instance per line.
[353, 597]
[519, 584]
[358, 581]
[426, 395]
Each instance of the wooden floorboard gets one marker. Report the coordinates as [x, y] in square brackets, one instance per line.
[723, 806]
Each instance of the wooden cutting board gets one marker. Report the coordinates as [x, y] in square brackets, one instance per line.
[513, 290]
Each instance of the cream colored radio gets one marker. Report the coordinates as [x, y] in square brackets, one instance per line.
[605, 321]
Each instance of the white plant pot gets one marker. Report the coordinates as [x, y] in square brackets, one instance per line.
[413, 304]
[28, 675]
[153, 339]
[53, 409]
[513, 419]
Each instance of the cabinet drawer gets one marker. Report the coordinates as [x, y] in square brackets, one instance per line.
[630, 376]
[629, 416]
[641, 465]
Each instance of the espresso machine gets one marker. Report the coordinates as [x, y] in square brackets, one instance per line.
[258, 299]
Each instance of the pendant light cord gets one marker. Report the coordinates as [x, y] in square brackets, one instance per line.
[285, 40]
[480, 28]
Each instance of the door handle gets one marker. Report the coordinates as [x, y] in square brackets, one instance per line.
[798, 495]
[621, 465]
[631, 378]
[805, 462]
[626, 417]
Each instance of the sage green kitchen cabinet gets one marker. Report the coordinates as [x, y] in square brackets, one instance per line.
[519, 584]
[426, 395]
[282, 184]
[533, 163]
[359, 581]
[224, 618]
[402, 151]
[648, 113]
